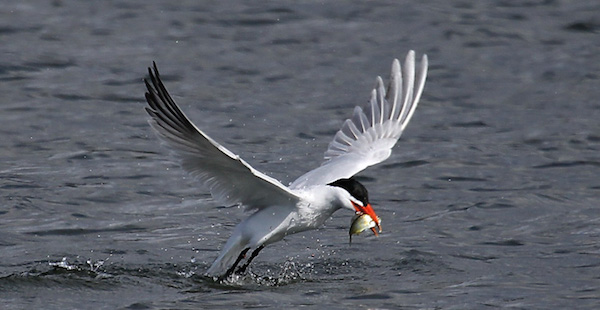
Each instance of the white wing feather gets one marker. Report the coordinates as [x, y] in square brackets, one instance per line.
[368, 138]
[228, 177]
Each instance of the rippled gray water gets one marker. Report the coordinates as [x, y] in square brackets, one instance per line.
[490, 199]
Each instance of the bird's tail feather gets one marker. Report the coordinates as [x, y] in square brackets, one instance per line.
[228, 256]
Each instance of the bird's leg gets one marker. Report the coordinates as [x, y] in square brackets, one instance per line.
[254, 254]
[232, 268]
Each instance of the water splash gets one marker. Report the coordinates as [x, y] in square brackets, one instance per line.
[63, 264]
[287, 273]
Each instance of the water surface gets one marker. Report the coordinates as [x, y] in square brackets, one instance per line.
[490, 199]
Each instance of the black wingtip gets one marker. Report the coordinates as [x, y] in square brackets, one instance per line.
[149, 90]
[155, 68]
[147, 83]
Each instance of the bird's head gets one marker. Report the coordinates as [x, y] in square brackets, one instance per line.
[359, 199]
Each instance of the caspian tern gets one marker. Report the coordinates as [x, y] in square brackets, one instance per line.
[278, 210]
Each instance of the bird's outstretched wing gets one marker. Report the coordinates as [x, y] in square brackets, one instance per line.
[368, 137]
[228, 177]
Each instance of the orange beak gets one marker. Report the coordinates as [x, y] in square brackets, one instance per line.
[369, 210]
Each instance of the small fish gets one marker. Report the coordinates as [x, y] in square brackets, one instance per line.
[362, 222]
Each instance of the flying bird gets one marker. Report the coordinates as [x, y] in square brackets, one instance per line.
[365, 139]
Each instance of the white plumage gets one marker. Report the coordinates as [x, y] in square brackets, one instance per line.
[364, 140]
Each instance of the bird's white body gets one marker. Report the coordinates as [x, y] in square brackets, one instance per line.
[273, 223]
[364, 140]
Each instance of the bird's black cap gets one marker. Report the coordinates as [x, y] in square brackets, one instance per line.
[353, 187]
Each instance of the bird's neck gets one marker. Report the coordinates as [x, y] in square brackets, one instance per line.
[319, 203]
